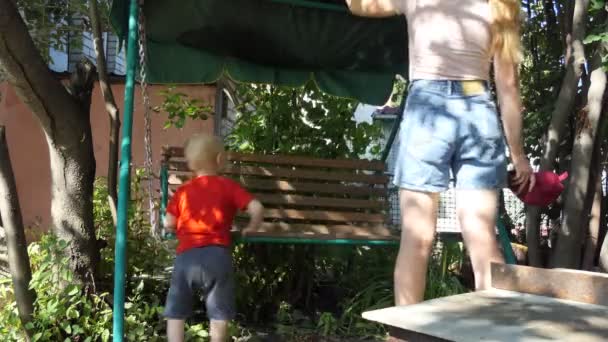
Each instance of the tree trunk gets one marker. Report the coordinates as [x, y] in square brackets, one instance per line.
[533, 236]
[603, 259]
[597, 219]
[64, 118]
[567, 252]
[19, 260]
[602, 251]
[575, 59]
[4, 268]
[591, 244]
[110, 104]
[603, 246]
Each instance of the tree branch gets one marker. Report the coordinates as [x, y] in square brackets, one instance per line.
[575, 59]
[19, 261]
[567, 95]
[26, 70]
[579, 197]
[110, 104]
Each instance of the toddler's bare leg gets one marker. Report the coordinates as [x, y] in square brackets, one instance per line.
[218, 331]
[175, 330]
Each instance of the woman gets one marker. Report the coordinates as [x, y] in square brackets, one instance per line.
[451, 124]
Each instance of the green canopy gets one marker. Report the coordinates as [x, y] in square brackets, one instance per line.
[271, 41]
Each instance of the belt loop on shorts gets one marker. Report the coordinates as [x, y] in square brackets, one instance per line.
[450, 86]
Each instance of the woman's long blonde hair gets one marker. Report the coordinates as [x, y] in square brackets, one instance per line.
[506, 36]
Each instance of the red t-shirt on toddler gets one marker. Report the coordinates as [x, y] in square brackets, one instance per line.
[204, 209]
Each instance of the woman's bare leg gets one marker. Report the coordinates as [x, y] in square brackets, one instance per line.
[477, 210]
[418, 224]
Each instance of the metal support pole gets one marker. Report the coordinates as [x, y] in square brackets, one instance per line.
[505, 242]
[394, 130]
[164, 197]
[124, 189]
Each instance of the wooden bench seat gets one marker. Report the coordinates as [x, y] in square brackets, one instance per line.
[306, 198]
[524, 304]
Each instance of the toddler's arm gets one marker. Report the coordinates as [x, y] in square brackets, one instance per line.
[255, 209]
[170, 222]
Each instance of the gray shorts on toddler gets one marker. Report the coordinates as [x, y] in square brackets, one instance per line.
[206, 269]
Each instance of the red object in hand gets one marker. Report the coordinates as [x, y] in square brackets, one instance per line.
[547, 188]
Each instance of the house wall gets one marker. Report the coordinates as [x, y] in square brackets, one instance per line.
[29, 153]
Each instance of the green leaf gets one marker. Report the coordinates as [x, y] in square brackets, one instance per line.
[597, 5]
[67, 327]
[77, 329]
[592, 38]
[73, 290]
[62, 244]
[140, 286]
[36, 337]
[72, 313]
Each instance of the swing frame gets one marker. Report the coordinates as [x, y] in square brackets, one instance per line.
[124, 193]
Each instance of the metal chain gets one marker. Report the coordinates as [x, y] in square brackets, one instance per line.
[148, 165]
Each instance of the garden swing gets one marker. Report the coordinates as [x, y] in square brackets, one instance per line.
[308, 200]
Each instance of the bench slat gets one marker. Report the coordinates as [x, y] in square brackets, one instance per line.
[329, 202]
[356, 164]
[334, 236]
[280, 228]
[277, 172]
[301, 187]
[322, 215]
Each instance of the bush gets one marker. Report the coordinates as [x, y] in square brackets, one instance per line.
[64, 310]
[322, 290]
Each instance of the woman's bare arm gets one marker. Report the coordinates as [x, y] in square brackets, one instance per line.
[507, 87]
[372, 8]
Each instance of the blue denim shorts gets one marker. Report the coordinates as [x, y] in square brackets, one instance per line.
[449, 126]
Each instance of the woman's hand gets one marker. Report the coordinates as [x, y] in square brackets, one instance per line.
[524, 175]
[372, 8]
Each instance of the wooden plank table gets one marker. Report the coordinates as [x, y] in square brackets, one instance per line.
[505, 314]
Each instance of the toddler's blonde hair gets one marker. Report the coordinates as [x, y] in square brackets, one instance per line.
[202, 151]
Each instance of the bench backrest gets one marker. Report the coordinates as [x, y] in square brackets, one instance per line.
[303, 195]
